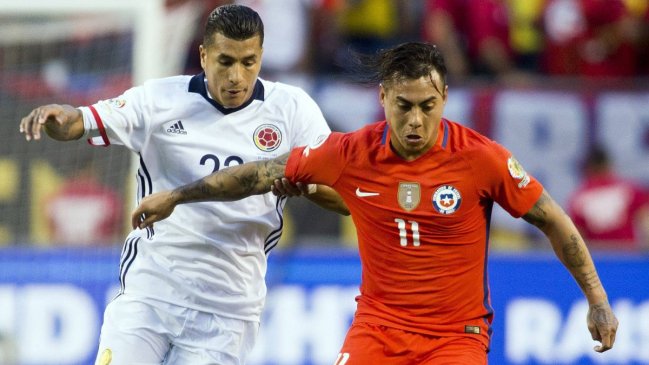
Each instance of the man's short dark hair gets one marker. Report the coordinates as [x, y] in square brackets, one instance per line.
[236, 22]
[411, 60]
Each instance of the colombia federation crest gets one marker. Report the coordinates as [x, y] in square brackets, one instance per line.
[267, 137]
[447, 199]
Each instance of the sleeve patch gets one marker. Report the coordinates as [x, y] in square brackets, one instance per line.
[117, 103]
[517, 171]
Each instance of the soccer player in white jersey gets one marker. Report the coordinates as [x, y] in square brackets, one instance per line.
[193, 289]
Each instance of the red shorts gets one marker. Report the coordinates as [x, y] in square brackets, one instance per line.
[368, 343]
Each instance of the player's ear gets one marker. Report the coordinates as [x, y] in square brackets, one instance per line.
[202, 53]
[445, 96]
[382, 94]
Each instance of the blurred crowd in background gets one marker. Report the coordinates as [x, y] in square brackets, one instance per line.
[308, 43]
[495, 39]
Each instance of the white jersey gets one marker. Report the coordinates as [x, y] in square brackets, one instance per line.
[208, 256]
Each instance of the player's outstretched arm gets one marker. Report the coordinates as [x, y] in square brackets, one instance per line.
[232, 183]
[60, 122]
[570, 248]
[328, 198]
[322, 195]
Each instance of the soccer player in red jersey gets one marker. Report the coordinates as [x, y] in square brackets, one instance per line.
[610, 211]
[420, 189]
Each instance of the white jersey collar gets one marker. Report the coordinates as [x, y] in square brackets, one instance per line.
[197, 85]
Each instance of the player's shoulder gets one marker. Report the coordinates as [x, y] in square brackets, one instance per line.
[275, 90]
[476, 149]
[171, 86]
[462, 139]
[369, 135]
[180, 80]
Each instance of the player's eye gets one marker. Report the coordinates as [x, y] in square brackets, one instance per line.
[225, 61]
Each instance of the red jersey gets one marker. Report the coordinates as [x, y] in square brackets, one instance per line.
[604, 208]
[422, 225]
[475, 21]
[571, 30]
[85, 212]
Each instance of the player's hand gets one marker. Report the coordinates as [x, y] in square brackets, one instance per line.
[153, 208]
[284, 187]
[32, 124]
[602, 325]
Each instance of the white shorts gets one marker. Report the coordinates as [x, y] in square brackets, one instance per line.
[137, 332]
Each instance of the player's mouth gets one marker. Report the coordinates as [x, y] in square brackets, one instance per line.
[414, 139]
[235, 93]
[232, 98]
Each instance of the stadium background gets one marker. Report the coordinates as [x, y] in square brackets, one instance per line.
[52, 293]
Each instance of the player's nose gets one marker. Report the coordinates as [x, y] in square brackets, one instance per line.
[235, 74]
[416, 119]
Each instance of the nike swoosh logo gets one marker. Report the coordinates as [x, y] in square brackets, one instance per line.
[364, 194]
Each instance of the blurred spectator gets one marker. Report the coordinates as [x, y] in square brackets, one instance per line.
[589, 37]
[286, 30]
[362, 26]
[323, 36]
[85, 211]
[182, 23]
[368, 25]
[644, 43]
[526, 34]
[473, 34]
[611, 212]
[638, 31]
[444, 25]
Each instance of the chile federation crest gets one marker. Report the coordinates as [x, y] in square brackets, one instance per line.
[447, 199]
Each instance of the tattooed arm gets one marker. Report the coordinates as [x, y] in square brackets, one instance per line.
[570, 248]
[232, 183]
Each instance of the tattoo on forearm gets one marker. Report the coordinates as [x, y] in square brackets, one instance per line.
[235, 182]
[573, 252]
[245, 181]
[200, 190]
[538, 215]
[589, 280]
[274, 169]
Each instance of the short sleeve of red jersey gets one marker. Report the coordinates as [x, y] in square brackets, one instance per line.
[503, 179]
[319, 163]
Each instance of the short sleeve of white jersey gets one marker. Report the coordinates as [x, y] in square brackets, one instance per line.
[123, 120]
[309, 123]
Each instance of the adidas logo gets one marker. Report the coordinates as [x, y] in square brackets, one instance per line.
[177, 128]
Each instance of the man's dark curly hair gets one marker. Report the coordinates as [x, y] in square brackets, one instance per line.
[236, 22]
